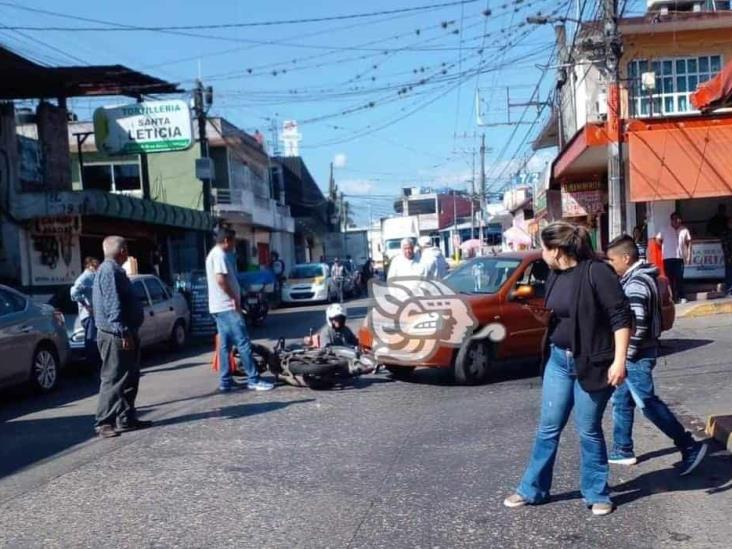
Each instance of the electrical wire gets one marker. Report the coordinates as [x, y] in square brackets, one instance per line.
[219, 26]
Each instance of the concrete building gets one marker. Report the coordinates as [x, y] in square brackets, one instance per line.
[244, 197]
[674, 155]
[313, 213]
[48, 225]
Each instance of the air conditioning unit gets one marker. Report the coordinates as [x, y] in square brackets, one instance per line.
[597, 110]
[664, 6]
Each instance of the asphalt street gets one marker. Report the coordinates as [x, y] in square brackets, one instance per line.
[375, 463]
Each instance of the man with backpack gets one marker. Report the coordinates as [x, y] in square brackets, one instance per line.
[639, 282]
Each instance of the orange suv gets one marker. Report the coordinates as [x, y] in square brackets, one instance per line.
[508, 282]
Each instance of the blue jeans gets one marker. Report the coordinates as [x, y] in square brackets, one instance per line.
[561, 392]
[638, 391]
[233, 332]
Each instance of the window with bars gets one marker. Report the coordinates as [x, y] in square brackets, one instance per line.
[676, 79]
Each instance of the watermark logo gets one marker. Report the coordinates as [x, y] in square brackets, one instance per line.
[412, 318]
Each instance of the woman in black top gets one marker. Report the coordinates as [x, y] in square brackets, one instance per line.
[587, 341]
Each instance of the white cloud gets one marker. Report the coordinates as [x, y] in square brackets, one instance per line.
[356, 186]
[339, 160]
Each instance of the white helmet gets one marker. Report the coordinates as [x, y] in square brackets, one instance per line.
[334, 310]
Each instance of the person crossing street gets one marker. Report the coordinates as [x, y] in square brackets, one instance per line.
[639, 282]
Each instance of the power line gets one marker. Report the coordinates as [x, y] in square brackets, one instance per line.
[219, 26]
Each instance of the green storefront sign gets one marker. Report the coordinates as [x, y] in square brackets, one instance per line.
[150, 126]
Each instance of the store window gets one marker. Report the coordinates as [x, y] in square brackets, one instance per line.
[676, 79]
[112, 177]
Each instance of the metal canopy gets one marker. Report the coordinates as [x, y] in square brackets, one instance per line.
[24, 79]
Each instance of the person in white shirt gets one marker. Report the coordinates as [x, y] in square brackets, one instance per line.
[675, 241]
[432, 261]
[224, 304]
[406, 264]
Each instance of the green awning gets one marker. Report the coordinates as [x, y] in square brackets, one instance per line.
[100, 203]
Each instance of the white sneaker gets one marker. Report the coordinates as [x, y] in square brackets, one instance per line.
[260, 385]
[602, 509]
[514, 500]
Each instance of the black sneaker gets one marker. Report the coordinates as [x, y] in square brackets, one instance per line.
[106, 431]
[692, 457]
[134, 425]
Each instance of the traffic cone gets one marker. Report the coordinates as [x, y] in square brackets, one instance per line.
[215, 362]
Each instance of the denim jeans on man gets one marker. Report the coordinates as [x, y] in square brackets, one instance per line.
[638, 391]
[560, 393]
[233, 332]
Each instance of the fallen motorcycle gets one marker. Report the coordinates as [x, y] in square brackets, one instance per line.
[312, 368]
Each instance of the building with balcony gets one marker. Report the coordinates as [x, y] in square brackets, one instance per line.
[243, 196]
[313, 213]
[673, 154]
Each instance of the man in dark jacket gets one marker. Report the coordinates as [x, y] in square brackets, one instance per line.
[118, 314]
[639, 282]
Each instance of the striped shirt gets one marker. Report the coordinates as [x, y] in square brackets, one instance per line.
[641, 288]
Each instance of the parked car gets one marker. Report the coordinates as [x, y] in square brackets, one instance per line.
[509, 282]
[33, 341]
[167, 317]
[308, 283]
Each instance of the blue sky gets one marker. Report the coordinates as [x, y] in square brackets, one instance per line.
[407, 81]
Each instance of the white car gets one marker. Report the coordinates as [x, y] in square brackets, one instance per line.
[167, 317]
[308, 283]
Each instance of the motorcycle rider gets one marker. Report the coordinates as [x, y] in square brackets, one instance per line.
[335, 332]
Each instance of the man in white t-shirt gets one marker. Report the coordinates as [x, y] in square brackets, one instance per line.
[675, 241]
[224, 304]
[406, 264]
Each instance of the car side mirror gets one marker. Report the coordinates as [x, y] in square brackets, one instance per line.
[522, 293]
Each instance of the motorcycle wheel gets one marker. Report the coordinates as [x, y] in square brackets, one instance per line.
[319, 383]
[317, 369]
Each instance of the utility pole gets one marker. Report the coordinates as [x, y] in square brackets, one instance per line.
[483, 205]
[472, 200]
[342, 212]
[145, 171]
[616, 167]
[202, 99]
[456, 235]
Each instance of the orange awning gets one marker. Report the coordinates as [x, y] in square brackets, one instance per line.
[585, 153]
[679, 160]
[715, 93]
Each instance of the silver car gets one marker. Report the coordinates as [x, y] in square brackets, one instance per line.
[167, 317]
[33, 341]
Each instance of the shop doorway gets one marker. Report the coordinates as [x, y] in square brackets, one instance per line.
[263, 253]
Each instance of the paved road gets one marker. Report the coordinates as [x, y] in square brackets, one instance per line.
[377, 463]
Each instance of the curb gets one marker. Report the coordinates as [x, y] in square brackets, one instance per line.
[705, 308]
[720, 428]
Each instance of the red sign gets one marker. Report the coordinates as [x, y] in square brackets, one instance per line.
[582, 199]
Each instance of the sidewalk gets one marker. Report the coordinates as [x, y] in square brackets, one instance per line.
[694, 372]
[705, 307]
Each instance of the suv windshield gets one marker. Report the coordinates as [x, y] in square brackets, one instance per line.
[306, 271]
[483, 275]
